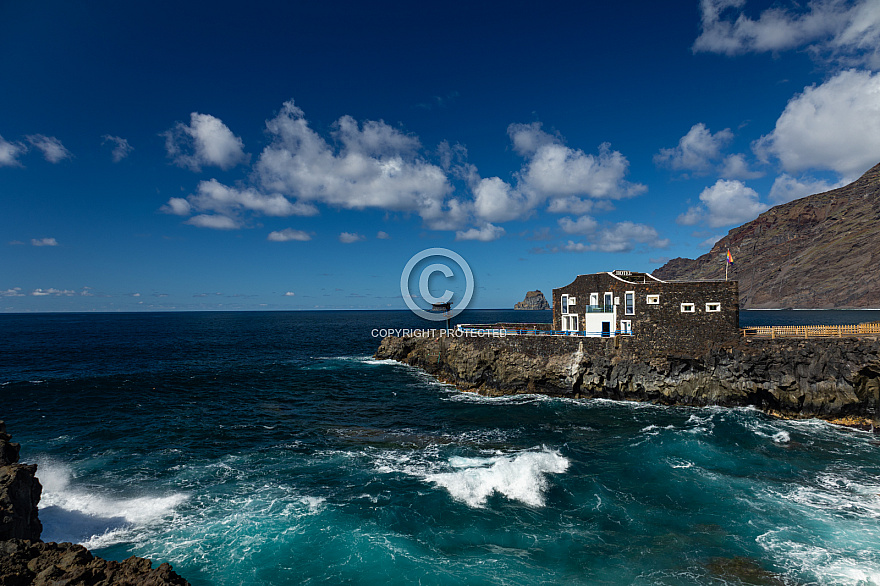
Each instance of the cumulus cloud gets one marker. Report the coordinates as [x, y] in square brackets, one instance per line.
[835, 126]
[376, 166]
[52, 149]
[14, 292]
[583, 225]
[230, 202]
[289, 294]
[121, 148]
[497, 201]
[206, 141]
[381, 235]
[846, 31]
[736, 167]
[725, 203]
[555, 170]
[214, 221]
[44, 242]
[486, 233]
[9, 153]
[349, 237]
[619, 237]
[289, 234]
[697, 151]
[787, 188]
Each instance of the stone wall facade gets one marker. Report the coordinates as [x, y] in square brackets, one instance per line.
[663, 324]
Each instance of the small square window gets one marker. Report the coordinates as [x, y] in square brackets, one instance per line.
[653, 300]
[688, 308]
[572, 300]
[713, 307]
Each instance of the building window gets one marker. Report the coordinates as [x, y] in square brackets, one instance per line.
[630, 303]
[626, 328]
[653, 300]
[572, 301]
[573, 323]
[608, 303]
[713, 307]
[688, 308]
[564, 303]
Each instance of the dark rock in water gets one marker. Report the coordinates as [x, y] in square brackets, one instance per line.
[534, 300]
[24, 559]
[19, 493]
[37, 563]
[837, 379]
[743, 570]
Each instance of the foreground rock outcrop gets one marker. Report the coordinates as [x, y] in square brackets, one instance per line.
[816, 252]
[534, 300]
[25, 560]
[834, 379]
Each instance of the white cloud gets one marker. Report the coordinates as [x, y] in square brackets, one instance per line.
[620, 237]
[736, 167]
[53, 292]
[217, 222]
[289, 294]
[487, 233]
[349, 237]
[377, 166]
[698, 150]
[833, 126]
[289, 234]
[14, 292]
[121, 148]
[44, 242]
[623, 236]
[52, 149]
[528, 138]
[557, 170]
[383, 235]
[787, 188]
[177, 206]
[583, 225]
[9, 153]
[846, 31]
[206, 141]
[725, 203]
[710, 242]
[496, 201]
[577, 206]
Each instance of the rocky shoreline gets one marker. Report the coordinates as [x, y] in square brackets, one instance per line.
[25, 559]
[833, 379]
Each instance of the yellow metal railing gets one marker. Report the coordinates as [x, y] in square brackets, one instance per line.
[842, 331]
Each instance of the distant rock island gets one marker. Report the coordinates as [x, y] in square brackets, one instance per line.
[818, 252]
[533, 300]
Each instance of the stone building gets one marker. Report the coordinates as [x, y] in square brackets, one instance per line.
[644, 307]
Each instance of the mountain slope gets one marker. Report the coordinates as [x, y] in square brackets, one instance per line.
[821, 251]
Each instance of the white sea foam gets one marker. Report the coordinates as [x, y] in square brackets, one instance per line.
[71, 513]
[522, 477]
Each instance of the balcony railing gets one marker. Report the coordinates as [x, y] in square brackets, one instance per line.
[600, 308]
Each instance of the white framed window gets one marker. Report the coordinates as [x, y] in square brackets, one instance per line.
[652, 300]
[573, 323]
[688, 308]
[594, 299]
[572, 301]
[607, 300]
[626, 328]
[629, 302]
[713, 307]
[564, 303]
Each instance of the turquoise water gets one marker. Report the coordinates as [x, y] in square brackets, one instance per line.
[270, 448]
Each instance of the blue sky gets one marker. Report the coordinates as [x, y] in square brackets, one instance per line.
[287, 155]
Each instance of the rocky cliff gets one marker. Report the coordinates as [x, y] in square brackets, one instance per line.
[816, 252]
[25, 560]
[834, 379]
[533, 300]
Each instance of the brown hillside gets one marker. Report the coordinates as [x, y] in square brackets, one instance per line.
[821, 251]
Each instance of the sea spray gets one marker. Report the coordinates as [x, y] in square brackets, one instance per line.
[522, 477]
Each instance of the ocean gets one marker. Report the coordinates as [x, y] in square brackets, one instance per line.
[271, 448]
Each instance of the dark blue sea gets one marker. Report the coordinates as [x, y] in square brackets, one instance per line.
[270, 448]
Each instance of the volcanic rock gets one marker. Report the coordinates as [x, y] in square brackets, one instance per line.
[533, 300]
